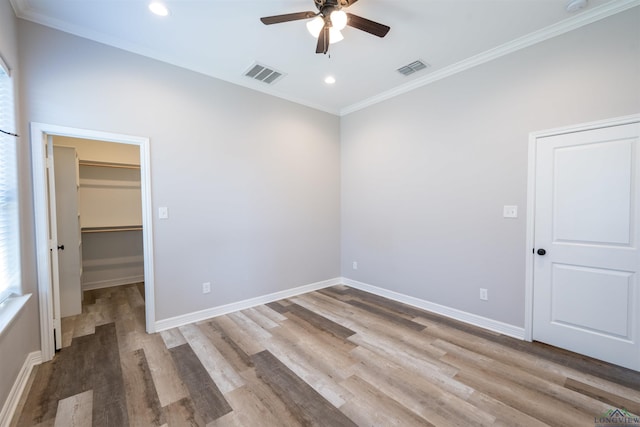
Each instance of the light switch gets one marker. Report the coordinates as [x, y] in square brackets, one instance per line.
[163, 212]
[510, 212]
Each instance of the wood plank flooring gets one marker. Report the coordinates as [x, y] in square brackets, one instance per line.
[335, 357]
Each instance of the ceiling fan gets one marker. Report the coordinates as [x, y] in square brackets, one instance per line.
[328, 22]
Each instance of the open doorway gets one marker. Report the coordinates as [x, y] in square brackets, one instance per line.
[98, 205]
[108, 247]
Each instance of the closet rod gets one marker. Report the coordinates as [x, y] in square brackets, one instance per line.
[111, 229]
[108, 164]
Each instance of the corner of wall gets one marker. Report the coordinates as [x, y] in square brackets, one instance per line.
[19, 386]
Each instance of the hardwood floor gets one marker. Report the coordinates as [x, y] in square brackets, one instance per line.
[335, 357]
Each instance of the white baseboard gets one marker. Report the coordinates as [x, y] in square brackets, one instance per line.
[100, 284]
[10, 405]
[463, 316]
[173, 322]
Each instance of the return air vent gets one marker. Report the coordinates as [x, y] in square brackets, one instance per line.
[264, 74]
[414, 67]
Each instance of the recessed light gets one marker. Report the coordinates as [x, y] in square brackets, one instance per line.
[575, 5]
[330, 80]
[158, 8]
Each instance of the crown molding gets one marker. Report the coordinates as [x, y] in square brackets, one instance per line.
[24, 11]
[584, 18]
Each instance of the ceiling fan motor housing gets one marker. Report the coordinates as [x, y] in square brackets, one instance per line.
[337, 4]
[326, 7]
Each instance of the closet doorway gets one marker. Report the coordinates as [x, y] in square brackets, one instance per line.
[93, 216]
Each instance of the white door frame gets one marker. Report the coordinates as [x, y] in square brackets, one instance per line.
[531, 202]
[39, 133]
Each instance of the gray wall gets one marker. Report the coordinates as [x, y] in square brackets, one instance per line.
[252, 182]
[112, 259]
[22, 336]
[425, 175]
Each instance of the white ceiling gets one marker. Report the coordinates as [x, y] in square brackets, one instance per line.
[222, 38]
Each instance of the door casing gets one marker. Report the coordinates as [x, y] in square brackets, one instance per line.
[39, 134]
[531, 191]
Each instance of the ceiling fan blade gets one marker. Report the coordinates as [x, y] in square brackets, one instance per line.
[366, 25]
[323, 40]
[277, 19]
[347, 3]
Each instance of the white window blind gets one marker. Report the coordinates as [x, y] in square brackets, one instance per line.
[9, 246]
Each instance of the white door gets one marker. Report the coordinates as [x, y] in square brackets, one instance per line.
[66, 199]
[53, 245]
[587, 235]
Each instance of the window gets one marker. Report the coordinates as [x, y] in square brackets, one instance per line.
[9, 231]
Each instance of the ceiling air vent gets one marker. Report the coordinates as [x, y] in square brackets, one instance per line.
[263, 74]
[414, 67]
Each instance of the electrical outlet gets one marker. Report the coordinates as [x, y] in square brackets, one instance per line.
[484, 294]
[355, 265]
[206, 288]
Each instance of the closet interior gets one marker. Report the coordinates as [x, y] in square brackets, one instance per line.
[98, 216]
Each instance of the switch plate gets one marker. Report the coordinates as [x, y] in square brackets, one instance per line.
[206, 288]
[163, 212]
[355, 265]
[484, 294]
[510, 212]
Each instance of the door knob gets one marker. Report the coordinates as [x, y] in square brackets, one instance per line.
[61, 247]
[541, 252]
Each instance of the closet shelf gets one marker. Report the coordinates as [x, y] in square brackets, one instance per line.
[108, 164]
[111, 229]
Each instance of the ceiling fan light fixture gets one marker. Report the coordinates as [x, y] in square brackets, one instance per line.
[326, 24]
[158, 8]
[338, 19]
[315, 26]
[335, 35]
